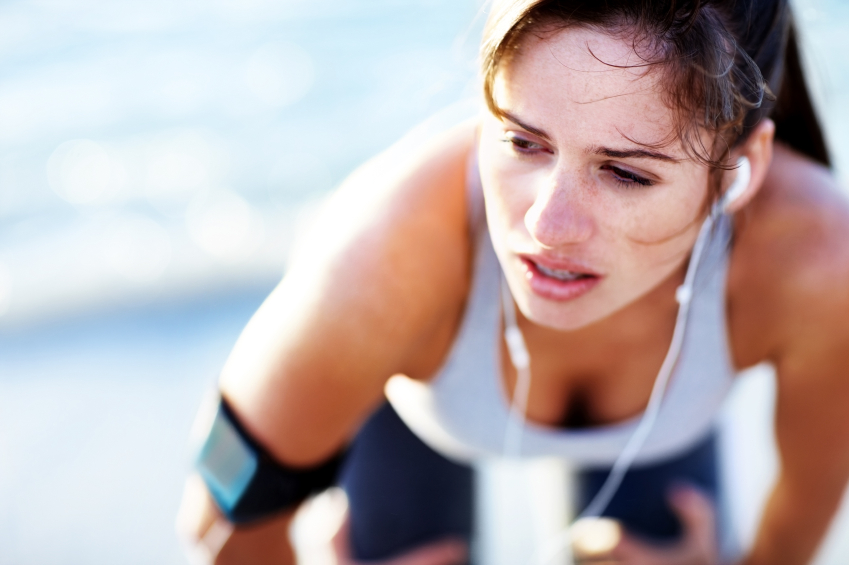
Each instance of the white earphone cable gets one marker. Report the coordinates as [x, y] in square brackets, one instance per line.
[521, 360]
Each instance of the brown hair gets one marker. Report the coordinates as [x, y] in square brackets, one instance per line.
[723, 61]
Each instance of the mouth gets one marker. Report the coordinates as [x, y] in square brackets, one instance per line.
[561, 274]
[558, 281]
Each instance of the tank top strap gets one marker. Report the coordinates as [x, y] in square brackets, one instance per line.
[475, 211]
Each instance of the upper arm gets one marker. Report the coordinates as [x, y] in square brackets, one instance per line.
[799, 314]
[812, 363]
[811, 417]
[374, 289]
[788, 290]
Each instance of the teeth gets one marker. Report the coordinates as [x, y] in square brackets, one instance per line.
[558, 274]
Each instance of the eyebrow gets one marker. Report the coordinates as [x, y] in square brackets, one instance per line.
[632, 153]
[606, 151]
[536, 131]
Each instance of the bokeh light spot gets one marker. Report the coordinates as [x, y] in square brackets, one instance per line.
[179, 165]
[223, 225]
[139, 249]
[5, 289]
[279, 73]
[80, 171]
[297, 177]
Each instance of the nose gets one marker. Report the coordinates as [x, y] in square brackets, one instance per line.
[558, 216]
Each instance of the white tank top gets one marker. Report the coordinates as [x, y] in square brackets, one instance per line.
[463, 411]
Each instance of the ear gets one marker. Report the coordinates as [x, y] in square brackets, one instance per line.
[758, 150]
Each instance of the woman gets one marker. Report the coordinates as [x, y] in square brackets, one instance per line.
[629, 173]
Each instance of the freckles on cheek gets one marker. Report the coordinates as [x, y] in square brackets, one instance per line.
[505, 195]
[508, 207]
[658, 224]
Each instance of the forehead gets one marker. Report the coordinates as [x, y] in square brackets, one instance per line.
[581, 81]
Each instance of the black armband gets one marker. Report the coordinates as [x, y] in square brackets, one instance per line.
[245, 481]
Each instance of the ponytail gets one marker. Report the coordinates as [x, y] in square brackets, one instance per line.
[728, 63]
[796, 122]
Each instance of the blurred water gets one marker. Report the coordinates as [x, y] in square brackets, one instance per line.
[94, 416]
[166, 148]
[155, 158]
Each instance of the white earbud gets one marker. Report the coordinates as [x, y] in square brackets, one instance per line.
[740, 184]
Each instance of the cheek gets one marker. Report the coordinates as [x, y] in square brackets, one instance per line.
[655, 218]
[504, 213]
[654, 237]
[504, 201]
[508, 189]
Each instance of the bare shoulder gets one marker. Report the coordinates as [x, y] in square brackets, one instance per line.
[388, 201]
[375, 287]
[390, 248]
[789, 304]
[789, 275]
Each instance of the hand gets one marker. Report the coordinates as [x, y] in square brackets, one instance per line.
[210, 539]
[697, 546]
[448, 551]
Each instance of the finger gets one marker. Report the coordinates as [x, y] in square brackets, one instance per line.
[215, 537]
[340, 542]
[445, 552]
[633, 551]
[197, 512]
[696, 546]
[200, 526]
[696, 511]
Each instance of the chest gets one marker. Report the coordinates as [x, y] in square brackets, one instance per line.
[594, 381]
[588, 378]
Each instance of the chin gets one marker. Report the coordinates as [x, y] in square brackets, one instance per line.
[561, 316]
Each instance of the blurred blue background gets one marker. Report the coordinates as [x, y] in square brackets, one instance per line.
[156, 158]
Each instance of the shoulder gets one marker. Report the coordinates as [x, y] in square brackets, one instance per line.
[375, 287]
[413, 182]
[387, 256]
[789, 277]
[791, 281]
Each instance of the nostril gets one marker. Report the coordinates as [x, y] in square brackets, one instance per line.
[556, 221]
[533, 220]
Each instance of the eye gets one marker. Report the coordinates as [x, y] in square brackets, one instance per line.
[626, 178]
[522, 145]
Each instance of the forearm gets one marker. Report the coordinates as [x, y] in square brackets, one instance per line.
[793, 525]
[213, 540]
[264, 543]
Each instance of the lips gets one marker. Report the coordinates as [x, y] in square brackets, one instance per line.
[559, 274]
[558, 280]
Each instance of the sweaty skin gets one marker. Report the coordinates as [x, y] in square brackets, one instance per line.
[379, 283]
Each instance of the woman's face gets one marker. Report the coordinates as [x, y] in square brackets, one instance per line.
[585, 214]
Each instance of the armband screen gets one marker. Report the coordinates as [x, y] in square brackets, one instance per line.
[245, 481]
[226, 462]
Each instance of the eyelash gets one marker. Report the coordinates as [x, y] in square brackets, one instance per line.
[625, 178]
[621, 176]
[522, 146]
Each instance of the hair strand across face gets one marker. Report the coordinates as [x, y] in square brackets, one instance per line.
[721, 61]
